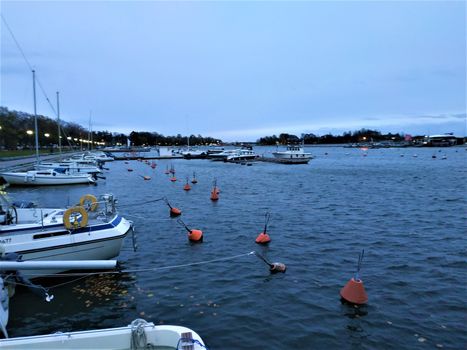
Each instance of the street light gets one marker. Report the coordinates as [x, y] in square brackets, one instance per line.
[46, 134]
[29, 132]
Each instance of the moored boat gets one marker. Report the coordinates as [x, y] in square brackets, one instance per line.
[72, 167]
[92, 230]
[138, 335]
[243, 154]
[294, 154]
[46, 177]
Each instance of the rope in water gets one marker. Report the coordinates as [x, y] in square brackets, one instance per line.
[85, 275]
[139, 203]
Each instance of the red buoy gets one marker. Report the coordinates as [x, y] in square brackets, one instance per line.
[173, 211]
[195, 235]
[173, 179]
[263, 237]
[215, 192]
[187, 186]
[354, 291]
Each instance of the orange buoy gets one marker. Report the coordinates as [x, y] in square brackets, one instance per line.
[173, 211]
[215, 191]
[354, 291]
[195, 235]
[173, 179]
[187, 186]
[130, 170]
[263, 237]
[214, 194]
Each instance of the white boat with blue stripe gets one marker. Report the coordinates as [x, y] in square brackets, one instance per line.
[92, 230]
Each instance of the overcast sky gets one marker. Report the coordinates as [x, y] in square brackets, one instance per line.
[241, 70]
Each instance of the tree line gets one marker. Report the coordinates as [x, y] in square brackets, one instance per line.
[17, 132]
[362, 135]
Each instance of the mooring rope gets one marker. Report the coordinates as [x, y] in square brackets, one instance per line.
[85, 275]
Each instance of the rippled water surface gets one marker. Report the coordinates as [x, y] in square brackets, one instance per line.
[406, 209]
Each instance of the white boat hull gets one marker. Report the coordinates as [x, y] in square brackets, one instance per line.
[31, 179]
[97, 242]
[108, 339]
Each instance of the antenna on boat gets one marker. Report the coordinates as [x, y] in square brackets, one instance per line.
[58, 124]
[35, 115]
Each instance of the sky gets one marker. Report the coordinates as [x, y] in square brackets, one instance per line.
[240, 70]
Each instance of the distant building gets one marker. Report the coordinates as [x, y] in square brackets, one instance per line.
[444, 140]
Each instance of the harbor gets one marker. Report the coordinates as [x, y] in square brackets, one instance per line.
[233, 175]
[217, 285]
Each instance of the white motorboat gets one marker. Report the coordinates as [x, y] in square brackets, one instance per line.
[193, 153]
[91, 158]
[294, 154]
[138, 335]
[91, 230]
[71, 167]
[46, 177]
[223, 155]
[243, 154]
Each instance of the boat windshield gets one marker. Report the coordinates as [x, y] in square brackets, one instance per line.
[60, 170]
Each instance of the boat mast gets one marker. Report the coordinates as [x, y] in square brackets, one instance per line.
[58, 123]
[35, 114]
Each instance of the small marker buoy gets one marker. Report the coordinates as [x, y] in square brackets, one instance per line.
[215, 192]
[167, 172]
[146, 177]
[187, 186]
[173, 211]
[194, 181]
[354, 291]
[433, 156]
[173, 179]
[273, 267]
[263, 237]
[193, 235]
[126, 162]
[153, 166]
[130, 170]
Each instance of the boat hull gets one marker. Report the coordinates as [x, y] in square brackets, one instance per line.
[96, 242]
[25, 179]
[108, 339]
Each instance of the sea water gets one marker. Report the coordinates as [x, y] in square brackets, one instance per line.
[405, 208]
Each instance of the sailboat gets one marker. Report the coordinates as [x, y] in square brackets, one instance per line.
[56, 176]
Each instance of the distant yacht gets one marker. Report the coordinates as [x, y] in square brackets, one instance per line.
[294, 154]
